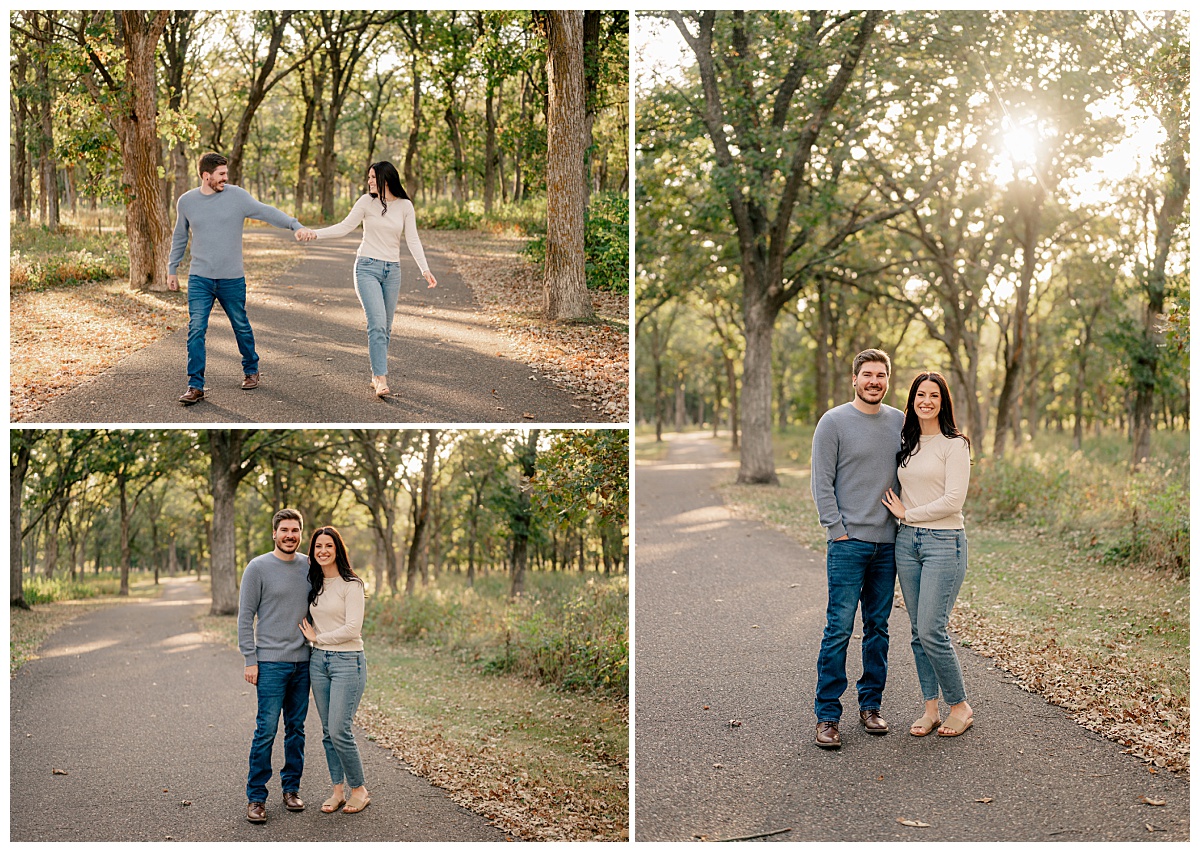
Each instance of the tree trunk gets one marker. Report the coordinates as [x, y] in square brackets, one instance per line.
[125, 551]
[489, 153]
[522, 516]
[20, 453]
[566, 294]
[456, 146]
[19, 164]
[47, 165]
[757, 456]
[226, 470]
[414, 135]
[417, 554]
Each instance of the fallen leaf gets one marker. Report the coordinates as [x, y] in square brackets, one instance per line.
[1151, 827]
[58, 772]
[1158, 803]
[912, 822]
[986, 800]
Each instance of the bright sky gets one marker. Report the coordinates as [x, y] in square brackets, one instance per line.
[659, 53]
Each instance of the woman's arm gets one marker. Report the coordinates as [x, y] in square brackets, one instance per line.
[352, 221]
[413, 239]
[958, 477]
[356, 601]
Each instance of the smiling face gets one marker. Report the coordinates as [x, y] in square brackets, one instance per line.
[287, 537]
[871, 383]
[216, 179]
[324, 552]
[927, 403]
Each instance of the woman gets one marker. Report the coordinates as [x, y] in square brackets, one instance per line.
[386, 214]
[931, 546]
[337, 668]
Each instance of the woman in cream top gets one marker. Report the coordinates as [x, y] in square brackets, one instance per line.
[337, 668]
[931, 546]
[387, 215]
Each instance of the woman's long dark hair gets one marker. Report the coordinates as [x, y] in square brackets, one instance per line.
[386, 175]
[910, 436]
[316, 577]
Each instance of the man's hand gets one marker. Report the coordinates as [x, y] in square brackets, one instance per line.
[252, 675]
[305, 235]
[842, 538]
[172, 282]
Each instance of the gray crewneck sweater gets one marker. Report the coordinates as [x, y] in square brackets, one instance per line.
[853, 466]
[216, 222]
[277, 592]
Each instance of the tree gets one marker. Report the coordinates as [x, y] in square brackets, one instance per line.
[128, 97]
[565, 284]
[231, 459]
[521, 517]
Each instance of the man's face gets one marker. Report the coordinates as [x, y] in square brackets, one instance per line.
[287, 536]
[216, 179]
[871, 383]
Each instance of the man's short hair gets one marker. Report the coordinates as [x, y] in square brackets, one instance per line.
[286, 515]
[210, 161]
[869, 355]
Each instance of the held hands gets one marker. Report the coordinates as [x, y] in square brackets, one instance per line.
[310, 632]
[893, 503]
[304, 235]
[432, 281]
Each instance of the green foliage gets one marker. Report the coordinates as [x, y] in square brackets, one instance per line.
[41, 258]
[585, 472]
[42, 590]
[605, 243]
[566, 631]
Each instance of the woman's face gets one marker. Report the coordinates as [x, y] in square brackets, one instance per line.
[324, 550]
[928, 401]
[372, 187]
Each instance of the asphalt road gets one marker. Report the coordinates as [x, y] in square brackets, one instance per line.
[729, 616]
[445, 364]
[152, 726]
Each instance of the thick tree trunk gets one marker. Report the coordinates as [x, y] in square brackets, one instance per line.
[19, 163]
[757, 456]
[225, 472]
[566, 294]
[417, 554]
[522, 516]
[452, 124]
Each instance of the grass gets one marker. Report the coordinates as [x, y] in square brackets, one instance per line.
[1057, 592]
[59, 602]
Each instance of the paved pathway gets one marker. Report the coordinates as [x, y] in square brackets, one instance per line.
[144, 715]
[728, 624]
[445, 365]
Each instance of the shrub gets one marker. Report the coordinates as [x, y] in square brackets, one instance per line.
[40, 590]
[605, 243]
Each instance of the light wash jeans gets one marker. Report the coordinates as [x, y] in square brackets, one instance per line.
[201, 294]
[931, 565]
[377, 283]
[338, 679]
[859, 572]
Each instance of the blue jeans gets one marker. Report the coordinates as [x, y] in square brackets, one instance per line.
[282, 688]
[931, 565]
[338, 680]
[231, 293]
[377, 283]
[859, 571]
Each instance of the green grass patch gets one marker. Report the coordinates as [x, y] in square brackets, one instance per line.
[73, 255]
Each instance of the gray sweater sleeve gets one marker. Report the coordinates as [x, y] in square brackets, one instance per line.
[255, 209]
[251, 597]
[823, 470]
[179, 240]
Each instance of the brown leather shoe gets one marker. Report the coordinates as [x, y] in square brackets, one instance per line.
[192, 396]
[292, 802]
[250, 382]
[256, 812]
[873, 722]
[828, 736]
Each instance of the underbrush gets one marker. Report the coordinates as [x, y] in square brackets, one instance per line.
[566, 631]
[71, 255]
[41, 590]
[605, 243]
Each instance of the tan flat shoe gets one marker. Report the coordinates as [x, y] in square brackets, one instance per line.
[955, 725]
[927, 723]
[333, 803]
[356, 804]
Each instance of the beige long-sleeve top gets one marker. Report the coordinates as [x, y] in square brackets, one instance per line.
[381, 231]
[933, 483]
[337, 615]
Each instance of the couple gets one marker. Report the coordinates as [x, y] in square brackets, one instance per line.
[214, 215]
[299, 600]
[871, 467]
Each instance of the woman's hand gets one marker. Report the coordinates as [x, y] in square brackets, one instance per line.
[310, 632]
[893, 503]
[432, 281]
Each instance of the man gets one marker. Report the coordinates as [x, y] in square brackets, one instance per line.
[215, 214]
[853, 465]
[275, 589]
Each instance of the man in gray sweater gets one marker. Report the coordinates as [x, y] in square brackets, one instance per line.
[215, 214]
[853, 465]
[275, 589]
